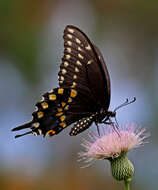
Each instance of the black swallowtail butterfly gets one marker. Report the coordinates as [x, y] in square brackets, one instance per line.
[83, 95]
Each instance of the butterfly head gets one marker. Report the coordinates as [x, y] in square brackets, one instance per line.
[111, 114]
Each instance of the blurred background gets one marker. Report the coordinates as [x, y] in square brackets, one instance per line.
[31, 47]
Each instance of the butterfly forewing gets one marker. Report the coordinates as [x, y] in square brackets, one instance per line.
[83, 68]
[100, 84]
[73, 70]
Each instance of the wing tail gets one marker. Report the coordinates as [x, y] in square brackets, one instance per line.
[25, 126]
[29, 132]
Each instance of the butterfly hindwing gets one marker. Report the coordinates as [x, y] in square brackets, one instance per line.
[58, 109]
[50, 113]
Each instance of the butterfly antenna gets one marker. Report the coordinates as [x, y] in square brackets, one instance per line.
[127, 102]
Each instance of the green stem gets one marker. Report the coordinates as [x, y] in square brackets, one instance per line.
[127, 185]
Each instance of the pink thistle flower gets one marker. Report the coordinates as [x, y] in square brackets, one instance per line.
[112, 144]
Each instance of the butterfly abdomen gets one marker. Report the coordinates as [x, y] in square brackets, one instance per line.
[82, 125]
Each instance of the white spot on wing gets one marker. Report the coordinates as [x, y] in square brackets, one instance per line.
[36, 108]
[78, 41]
[68, 50]
[76, 70]
[71, 30]
[50, 91]
[63, 71]
[89, 62]
[88, 47]
[75, 77]
[69, 43]
[62, 78]
[40, 131]
[79, 49]
[73, 85]
[78, 63]
[42, 99]
[69, 36]
[66, 64]
[36, 125]
[80, 56]
[67, 56]
[34, 133]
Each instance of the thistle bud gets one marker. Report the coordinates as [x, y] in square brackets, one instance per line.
[122, 168]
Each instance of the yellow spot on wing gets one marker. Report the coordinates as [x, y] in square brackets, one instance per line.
[60, 91]
[73, 93]
[63, 104]
[44, 105]
[59, 109]
[62, 118]
[50, 133]
[63, 125]
[66, 107]
[69, 99]
[40, 114]
[59, 114]
[52, 97]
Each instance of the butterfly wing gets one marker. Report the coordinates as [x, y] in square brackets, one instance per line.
[51, 114]
[84, 69]
[101, 83]
[84, 89]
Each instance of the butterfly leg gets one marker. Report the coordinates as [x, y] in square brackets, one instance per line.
[97, 128]
[105, 121]
[113, 124]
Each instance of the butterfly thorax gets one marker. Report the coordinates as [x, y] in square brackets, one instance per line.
[104, 115]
